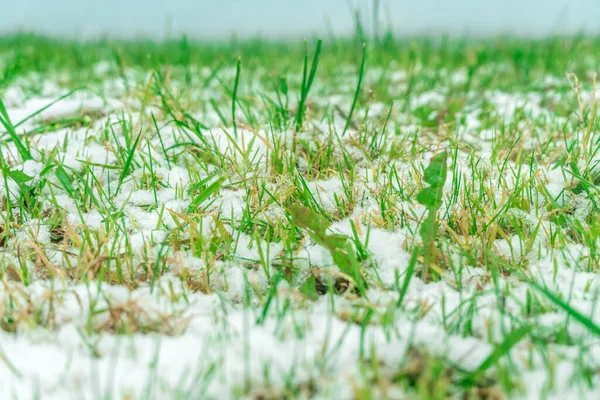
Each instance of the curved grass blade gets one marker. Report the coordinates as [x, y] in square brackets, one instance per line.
[573, 313]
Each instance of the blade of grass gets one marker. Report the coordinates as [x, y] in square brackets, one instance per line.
[41, 110]
[307, 83]
[10, 128]
[128, 162]
[573, 313]
[408, 275]
[360, 78]
[65, 181]
[206, 191]
[501, 350]
[234, 96]
[11, 367]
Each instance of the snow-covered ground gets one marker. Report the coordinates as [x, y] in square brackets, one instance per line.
[149, 249]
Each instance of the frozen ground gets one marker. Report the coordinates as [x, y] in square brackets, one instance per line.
[195, 230]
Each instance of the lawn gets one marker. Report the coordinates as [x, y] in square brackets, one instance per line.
[337, 219]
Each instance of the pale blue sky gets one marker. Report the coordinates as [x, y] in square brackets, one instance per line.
[294, 18]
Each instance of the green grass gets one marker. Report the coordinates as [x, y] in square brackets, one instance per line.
[430, 205]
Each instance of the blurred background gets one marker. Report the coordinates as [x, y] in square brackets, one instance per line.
[221, 19]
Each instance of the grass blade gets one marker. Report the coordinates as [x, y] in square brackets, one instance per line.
[573, 313]
[408, 275]
[360, 78]
[128, 162]
[234, 96]
[10, 128]
[501, 350]
[307, 83]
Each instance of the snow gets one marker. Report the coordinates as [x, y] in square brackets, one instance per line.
[65, 369]
[71, 347]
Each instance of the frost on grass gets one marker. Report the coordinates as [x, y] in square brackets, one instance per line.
[430, 235]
